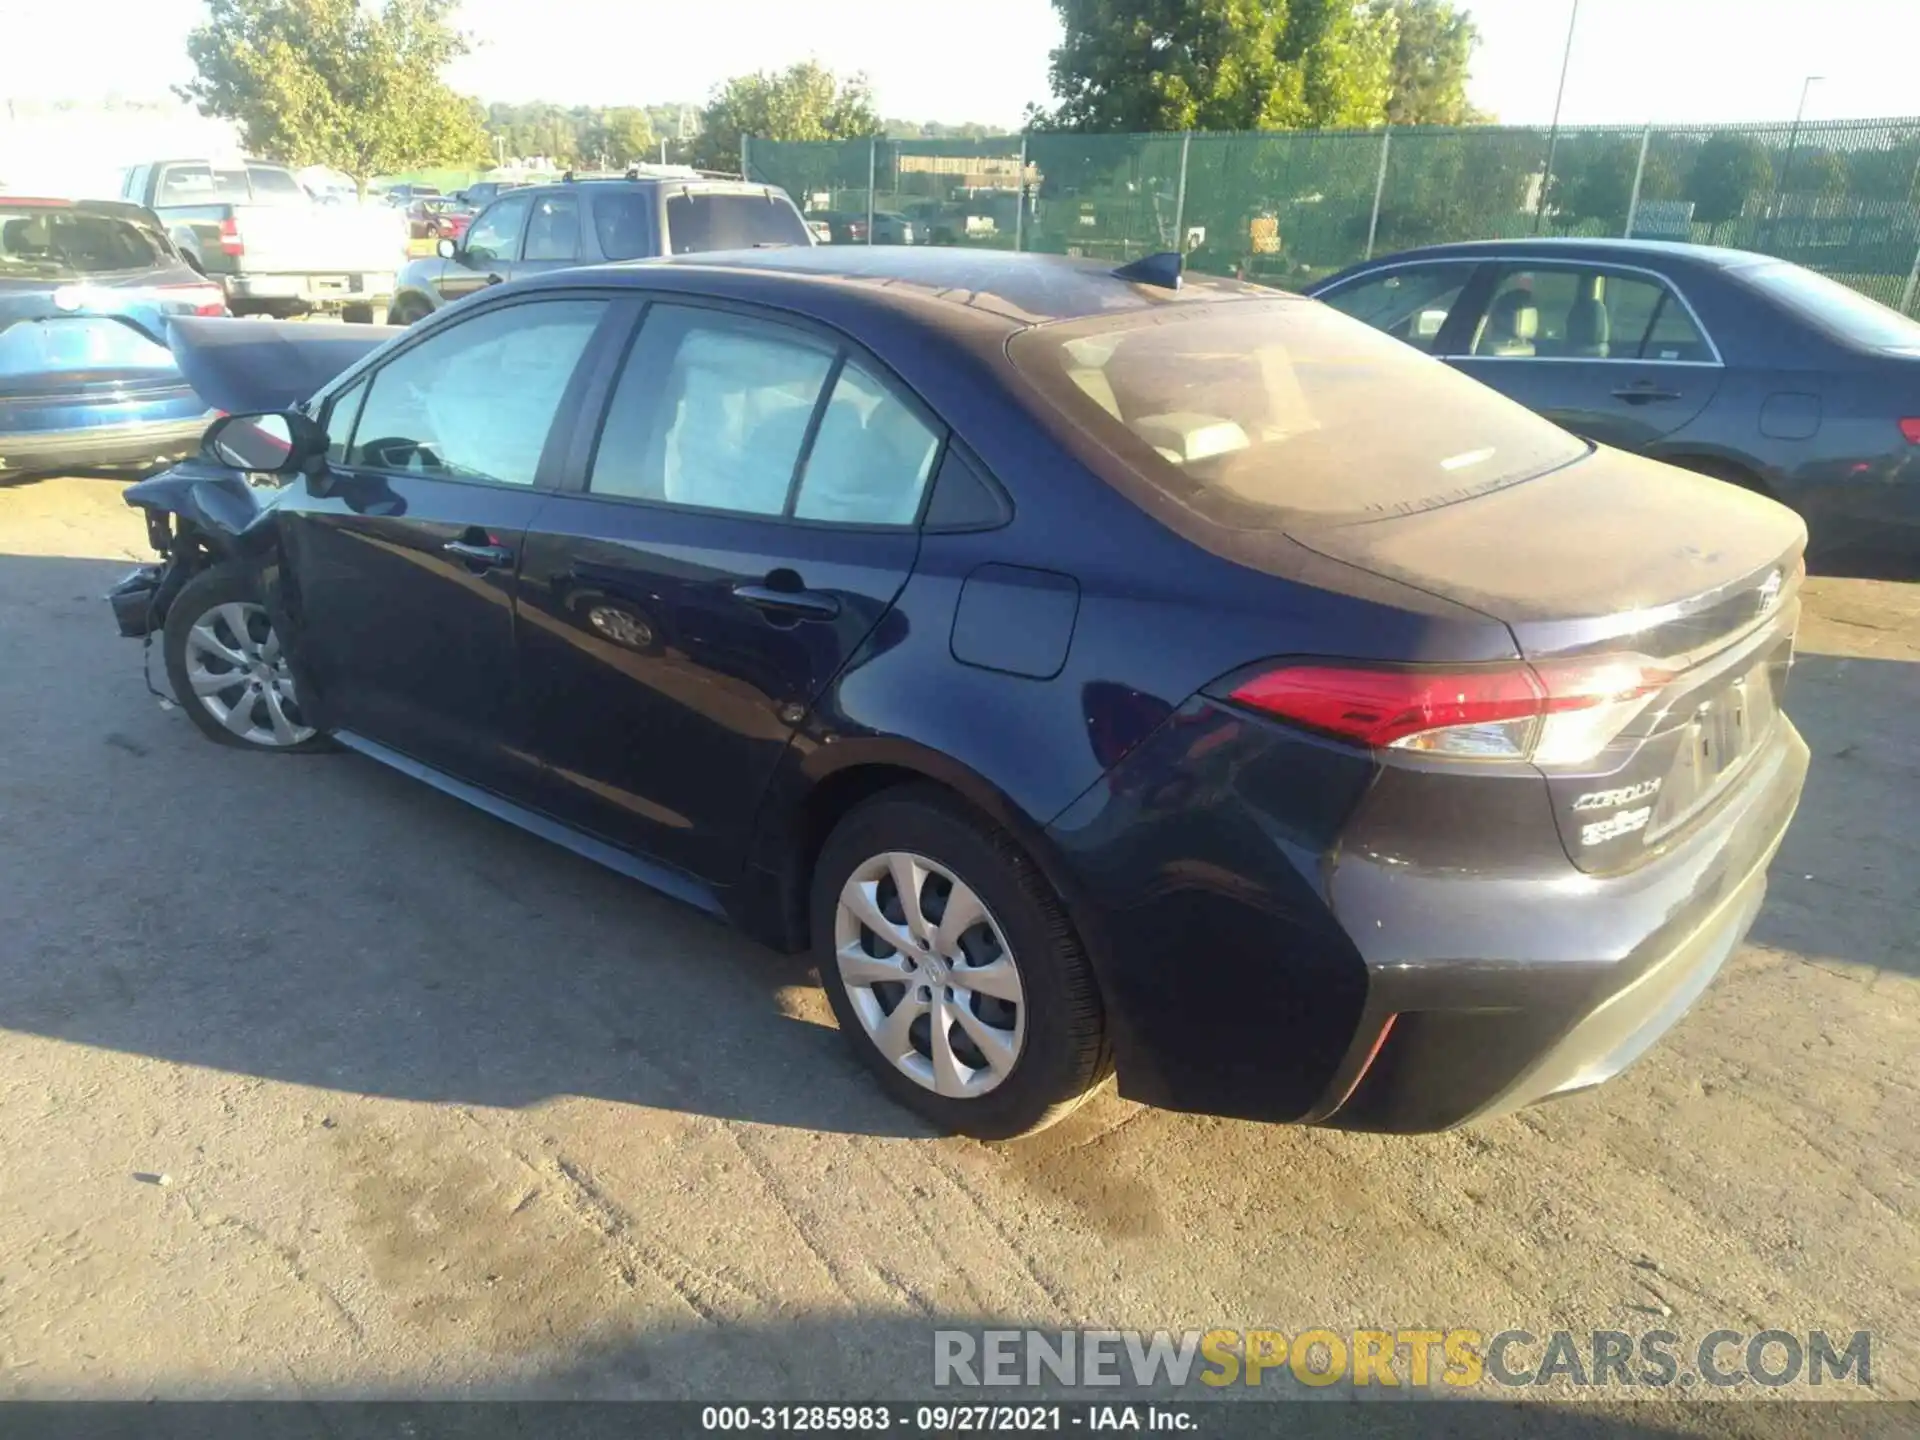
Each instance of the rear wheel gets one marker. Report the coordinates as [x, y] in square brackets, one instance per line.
[227, 667]
[953, 970]
[406, 310]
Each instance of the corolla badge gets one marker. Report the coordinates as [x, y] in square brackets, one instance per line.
[1770, 592]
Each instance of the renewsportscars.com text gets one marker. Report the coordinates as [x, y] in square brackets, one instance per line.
[1415, 1359]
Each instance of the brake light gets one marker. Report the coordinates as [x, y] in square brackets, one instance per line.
[199, 299]
[1554, 713]
[1910, 427]
[230, 241]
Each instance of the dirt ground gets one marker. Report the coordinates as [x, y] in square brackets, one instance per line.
[314, 1082]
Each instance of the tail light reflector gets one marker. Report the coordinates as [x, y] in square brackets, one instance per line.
[1556, 712]
[230, 241]
[1910, 427]
[203, 299]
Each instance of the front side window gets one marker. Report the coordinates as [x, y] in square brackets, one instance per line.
[475, 401]
[495, 234]
[342, 411]
[1262, 412]
[711, 410]
[554, 231]
[1410, 303]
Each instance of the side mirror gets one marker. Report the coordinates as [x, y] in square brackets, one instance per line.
[278, 443]
[446, 249]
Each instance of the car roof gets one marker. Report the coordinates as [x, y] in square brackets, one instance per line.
[1022, 289]
[1548, 247]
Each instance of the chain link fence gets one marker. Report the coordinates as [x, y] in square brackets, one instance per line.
[1288, 207]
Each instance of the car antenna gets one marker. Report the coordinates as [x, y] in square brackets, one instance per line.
[1162, 270]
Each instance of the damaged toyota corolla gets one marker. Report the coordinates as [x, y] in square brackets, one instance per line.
[1098, 671]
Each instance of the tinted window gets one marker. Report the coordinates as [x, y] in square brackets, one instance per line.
[554, 231]
[274, 186]
[1259, 411]
[1410, 303]
[475, 401]
[1582, 313]
[711, 410]
[1834, 306]
[495, 234]
[870, 457]
[341, 414]
[731, 222]
[623, 223]
[53, 242]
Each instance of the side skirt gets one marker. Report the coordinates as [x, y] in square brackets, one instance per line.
[664, 878]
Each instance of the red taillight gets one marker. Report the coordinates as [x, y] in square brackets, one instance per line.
[1910, 427]
[230, 241]
[199, 299]
[1554, 713]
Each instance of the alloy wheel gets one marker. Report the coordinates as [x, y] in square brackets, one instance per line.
[930, 974]
[239, 674]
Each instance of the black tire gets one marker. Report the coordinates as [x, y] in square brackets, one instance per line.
[211, 588]
[406, 311]
[1065, 1055]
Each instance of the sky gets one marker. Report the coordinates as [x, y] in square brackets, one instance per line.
[956, 60]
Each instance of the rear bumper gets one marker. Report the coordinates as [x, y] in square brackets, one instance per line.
[320, 290]
[147, 442]
[1572, 979]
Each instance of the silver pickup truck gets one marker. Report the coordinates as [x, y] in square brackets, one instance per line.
[252, 227]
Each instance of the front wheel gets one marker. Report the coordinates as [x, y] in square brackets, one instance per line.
[953, 969]
[227, 667]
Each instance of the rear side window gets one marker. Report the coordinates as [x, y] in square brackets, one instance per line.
[623, 223]
[721, 221]
[1835, 307]
[1259, 413]
[55, 243]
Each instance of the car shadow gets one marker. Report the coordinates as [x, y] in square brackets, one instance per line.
[323, 920]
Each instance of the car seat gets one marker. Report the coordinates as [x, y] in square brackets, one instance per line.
[1511, 325]
[1589, 328]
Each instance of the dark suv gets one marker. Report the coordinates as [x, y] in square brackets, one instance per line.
[585, 222]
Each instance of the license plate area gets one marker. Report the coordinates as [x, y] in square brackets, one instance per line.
[1725, 731]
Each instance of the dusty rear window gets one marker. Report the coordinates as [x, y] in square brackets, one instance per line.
[1259, 412]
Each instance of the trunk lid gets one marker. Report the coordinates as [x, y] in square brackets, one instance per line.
[247, 366]
[1617, 555]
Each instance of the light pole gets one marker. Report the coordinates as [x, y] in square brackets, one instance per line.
[1553, 131]
[1786, 165]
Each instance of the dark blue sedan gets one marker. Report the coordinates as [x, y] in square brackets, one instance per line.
[1739, 366]
[87, 290]
[1092, 671]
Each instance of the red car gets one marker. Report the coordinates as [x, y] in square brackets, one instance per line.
[438, 219]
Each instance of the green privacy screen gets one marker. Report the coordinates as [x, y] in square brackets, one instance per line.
[1288, 207]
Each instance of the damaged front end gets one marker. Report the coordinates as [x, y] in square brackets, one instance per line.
[198, 514]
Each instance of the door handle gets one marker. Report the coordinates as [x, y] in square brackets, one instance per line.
[479, 557]
[1643, 393]
[789, 604]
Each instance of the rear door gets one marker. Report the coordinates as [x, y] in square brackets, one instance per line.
[1612, 353]
[399, 578]
[742, 525]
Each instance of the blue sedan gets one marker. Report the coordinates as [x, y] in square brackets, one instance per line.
[1737, 365]
[1094, 670]
[87, 291]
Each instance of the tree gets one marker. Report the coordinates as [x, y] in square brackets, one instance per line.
[802, 102]
[1432, 48]
[1816, 172]
[1730, 168]
[1164, 65]
[1595, 181]
[336, 82]
[1336, 62]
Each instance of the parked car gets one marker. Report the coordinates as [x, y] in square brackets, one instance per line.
[439, 218]
[1091, 672]
[274, 251]
[537, 228]
[405, 193]
[1736, 365]
[87, 289]
[483, 193]
[846, 227]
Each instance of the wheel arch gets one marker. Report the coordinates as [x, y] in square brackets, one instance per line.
[1717, 465]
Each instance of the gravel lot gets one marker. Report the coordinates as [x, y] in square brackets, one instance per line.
[314, 1082]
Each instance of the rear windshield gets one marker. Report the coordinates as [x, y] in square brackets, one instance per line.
[272, 185]
[57, 243]
[1835, 307]
[732, 222]
[1255, 413]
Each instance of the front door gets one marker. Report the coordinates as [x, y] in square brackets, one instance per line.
[488, 249]
[399, 577]
[1613, 355]
[744, 525]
